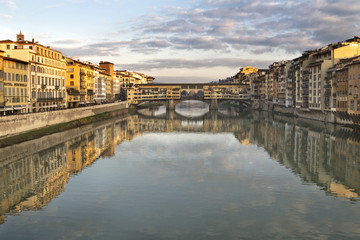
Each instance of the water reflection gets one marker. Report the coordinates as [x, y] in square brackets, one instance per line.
[192, 108]
[34, 173]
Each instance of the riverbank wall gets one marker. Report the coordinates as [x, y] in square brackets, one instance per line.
[17, 124]
[10, 154]
[329, 117]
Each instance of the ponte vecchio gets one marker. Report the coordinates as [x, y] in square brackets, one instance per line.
[171, 94]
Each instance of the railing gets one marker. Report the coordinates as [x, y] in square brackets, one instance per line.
[73, 92]
[49, 99]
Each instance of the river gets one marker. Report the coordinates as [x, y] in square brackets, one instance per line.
[184, 174]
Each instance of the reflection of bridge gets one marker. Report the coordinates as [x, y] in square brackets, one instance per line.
[212, 94]
[42, 167]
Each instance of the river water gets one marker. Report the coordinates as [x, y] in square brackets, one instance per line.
[184, 174]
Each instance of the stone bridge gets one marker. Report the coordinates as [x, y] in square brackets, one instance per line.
[171, 94]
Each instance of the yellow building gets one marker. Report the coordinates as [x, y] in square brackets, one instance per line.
[80, 82]
[46, 72]
[2, 103]
[15, 86]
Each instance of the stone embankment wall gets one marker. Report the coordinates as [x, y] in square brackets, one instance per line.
[16, 124]
[329, 117]
[18, 151]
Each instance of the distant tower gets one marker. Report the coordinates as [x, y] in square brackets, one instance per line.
[108, 67]
[20, 37]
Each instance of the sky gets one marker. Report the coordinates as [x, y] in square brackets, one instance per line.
[181, 40]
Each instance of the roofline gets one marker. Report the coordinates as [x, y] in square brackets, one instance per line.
[15, 60]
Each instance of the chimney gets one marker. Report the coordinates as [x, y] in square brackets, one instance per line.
[33, 40]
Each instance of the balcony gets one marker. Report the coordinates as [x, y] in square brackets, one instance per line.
[72, 91]
[356, 96]
[49, 99]
[305, 72]
[82, 92]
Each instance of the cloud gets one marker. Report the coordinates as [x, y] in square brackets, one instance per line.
[291, 26]
[223, 30]
[67, 42]
[6, 16]
[10, 3]
[196, 64]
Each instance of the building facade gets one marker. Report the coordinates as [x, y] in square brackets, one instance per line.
[353, 105]
[46, 73]
[2, 102]
[15, 86]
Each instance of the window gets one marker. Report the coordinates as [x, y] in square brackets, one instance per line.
[358, 105]
[71, 76]
[7, 46]
[352, 107]
[71, 83]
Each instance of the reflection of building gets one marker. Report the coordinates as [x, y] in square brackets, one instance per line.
[331, 162]
[32, 181]
[328, 160]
